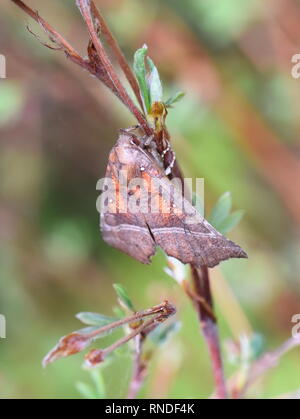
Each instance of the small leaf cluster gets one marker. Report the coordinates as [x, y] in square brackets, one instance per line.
[149, 81]
[221, 216]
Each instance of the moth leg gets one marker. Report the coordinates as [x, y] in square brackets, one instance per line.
[130, 129]
[146, 140]
[134, 139]
[169, 158]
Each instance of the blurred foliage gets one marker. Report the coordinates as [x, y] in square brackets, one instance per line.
[221, 216]
[237, 127]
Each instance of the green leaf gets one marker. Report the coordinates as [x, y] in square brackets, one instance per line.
[230, 222]
[154, 83]
[98, 379]
[95, 319]
[198, 203]
[258, 345]
[139, 68]
[11, 101]
[123, 297]
[119, 312]
[123, 351]
[173, 99]
[85, 390]
[161, 334]
[221, 210]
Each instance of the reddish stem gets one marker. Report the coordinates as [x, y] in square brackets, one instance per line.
[209, 327]
[139, 370]
[118, 54]
[85, 8]
[201, 298]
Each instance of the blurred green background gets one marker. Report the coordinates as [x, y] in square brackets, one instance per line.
[238, 127]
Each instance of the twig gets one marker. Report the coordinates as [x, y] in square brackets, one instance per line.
[53, 34]
[140, 362]
[99, 66]
[86, 11]
[139, 369]
[78, 341]
[131, 335]
[96, 356]
[201, 299]
[118, 54]
[61, 44]
[163, 309]
[196, 298]
[268, 361]
[209, 326]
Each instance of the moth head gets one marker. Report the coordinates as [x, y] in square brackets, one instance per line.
[157, 116]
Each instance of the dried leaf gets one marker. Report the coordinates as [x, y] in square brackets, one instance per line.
[93, 358]
[67, 345]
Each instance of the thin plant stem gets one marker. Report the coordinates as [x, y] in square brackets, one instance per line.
[130, 336]
[202, 300]
[160, 316]
[105, 71]
[118, 53]
[164, 308]
[139, 369]
[267, 361]
[52, 33]
[85, 9]
[209, 327]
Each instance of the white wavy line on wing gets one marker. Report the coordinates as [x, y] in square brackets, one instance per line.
[161, 230]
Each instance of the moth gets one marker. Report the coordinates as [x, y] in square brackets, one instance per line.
[175, 225]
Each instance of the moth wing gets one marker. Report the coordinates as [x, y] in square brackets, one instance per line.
[177, 227]
[181, 231]
[123, 230]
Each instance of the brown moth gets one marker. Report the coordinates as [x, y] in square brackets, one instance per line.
[162, 217]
